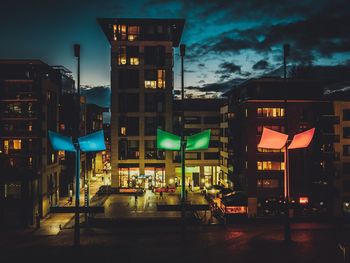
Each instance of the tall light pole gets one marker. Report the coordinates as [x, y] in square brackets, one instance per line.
[287, 234]
[183, 142]
[77, 165]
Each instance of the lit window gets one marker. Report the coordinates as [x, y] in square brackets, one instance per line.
[17, 144]
[30, 127]
[30, 161]
[134, 61]
[270, 112]
[161, 78]
[62, 127]
[6, 146]
[133, 32]
[115, 32]
[150, 84]
[122, 55]
[270, 166]
[122, 32]
[62, 155]
[52, 158]
[123, 131]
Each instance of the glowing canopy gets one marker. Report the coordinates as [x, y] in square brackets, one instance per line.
[168, 141]
[199, 141]
[60, 142]
[92, 142]
[272, 140]
[302, 140]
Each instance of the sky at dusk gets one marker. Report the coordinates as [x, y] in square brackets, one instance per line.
[226, 40]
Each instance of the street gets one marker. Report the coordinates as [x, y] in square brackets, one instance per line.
[235, 243]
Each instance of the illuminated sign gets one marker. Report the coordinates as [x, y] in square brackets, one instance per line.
[168, 141]
[60, 142]
[199, 141]
[236, 210]
[92, 142]
[303, 200]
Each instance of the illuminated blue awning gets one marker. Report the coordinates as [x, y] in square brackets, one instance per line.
[60, 142]
[93, 142]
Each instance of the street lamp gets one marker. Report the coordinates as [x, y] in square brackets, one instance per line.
[276, 140]
[172, 142]
[90, 143]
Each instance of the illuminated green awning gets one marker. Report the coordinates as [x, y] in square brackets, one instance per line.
[168, 141]
[199, 141]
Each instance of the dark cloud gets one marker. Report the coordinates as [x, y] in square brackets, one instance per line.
[100, 95]
[227, 69]
[201, 65]
[261, 65]
[219, 87]
[310, 38]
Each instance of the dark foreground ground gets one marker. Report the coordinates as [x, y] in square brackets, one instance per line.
[231, 243]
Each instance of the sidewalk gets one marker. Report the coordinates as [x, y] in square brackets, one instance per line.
[53, 223]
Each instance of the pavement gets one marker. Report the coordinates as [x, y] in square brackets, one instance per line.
[53, 223]
[120, 206]
[312, 242]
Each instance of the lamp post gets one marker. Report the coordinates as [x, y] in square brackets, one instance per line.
[287, 235]
[275, 140]
[77, 165]
[183, 142]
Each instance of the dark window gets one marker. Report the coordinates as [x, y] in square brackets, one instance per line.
[128, 78]
[346, 132]
[346, 168]
[152, 123]
[128, 126]
[151, 151]
[211, 119]
[128, 102]
[346, 185]
[214, 144]
[154, 102]
[346, 150]
[211, 156]
[346, 115]
[133, 149]
[123, 149]
[193, 156]
[154, 55]
[192, 120]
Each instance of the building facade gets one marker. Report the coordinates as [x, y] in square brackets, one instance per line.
[202, 167]
[141, 97]
[29, 181]
[290, 107]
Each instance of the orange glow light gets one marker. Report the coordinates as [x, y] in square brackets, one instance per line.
[302, 140]
[271, 139]
[303, 200]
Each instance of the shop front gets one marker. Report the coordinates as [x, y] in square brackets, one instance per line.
[154, 175]
[129, 175]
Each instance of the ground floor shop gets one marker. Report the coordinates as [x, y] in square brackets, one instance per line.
[199, 175]
[151, 175]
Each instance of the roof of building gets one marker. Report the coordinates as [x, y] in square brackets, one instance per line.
[177, 25]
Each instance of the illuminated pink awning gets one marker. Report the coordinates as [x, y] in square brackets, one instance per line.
[302, 140]
[272, 140]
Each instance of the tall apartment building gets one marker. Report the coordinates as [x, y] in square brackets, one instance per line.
[341, 122]
[202, 167]
[226, 158]
[290, 106]
[141, 99]
[29, 179]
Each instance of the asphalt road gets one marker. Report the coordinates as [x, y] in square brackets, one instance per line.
[234, 243]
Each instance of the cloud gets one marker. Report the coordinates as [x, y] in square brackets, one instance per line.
[100, 95]
[227, 69]
[260, 65]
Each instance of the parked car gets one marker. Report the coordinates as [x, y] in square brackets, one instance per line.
[235, 203]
